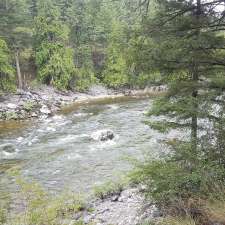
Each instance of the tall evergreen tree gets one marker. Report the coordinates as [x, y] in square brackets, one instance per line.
[187, 48]
[6, 69]
[33, 8]
[15, 29]
[54, 58]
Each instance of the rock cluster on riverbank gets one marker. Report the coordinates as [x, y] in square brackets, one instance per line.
[126, 208]
[46, 101]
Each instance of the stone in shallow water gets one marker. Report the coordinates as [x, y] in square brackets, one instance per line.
[9, 148]
[103, 135]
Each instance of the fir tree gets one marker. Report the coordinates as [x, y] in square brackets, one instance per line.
[187, 48]
[15, 30]
[7, 82]
[53, 58]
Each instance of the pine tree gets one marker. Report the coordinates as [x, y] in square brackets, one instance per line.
[6, 70]
[53, 58]
[65, 7]
[33, 8]
[116, 71]
[187, 48]
[15, 29]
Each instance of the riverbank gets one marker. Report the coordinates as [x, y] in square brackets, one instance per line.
[46, 101]
[128, 207]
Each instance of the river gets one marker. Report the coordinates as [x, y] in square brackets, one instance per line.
[59, 152]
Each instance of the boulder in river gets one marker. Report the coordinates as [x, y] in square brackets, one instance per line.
[8, 148]
[103, 135]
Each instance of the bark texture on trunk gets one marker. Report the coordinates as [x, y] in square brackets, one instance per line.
[195, 77]
[18, 71]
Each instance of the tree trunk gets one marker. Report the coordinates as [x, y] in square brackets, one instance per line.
[18, 71]
[195, 77]
[194, 122]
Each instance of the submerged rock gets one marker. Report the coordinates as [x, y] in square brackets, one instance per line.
[103, 135]
[9, 148]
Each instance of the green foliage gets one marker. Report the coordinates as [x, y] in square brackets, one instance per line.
[116, 75]
[180, 176]
[186, 55]
[53, 58]
[6, 70]
[3, 215]
[110, 188]
[84, 78]
[94, 37]
[55, 65]
[29, 105]
[187, 220]
[116, 72]
[35, 84]
[145, 79]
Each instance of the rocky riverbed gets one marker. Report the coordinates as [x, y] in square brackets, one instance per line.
[126, 208]
[46, 101]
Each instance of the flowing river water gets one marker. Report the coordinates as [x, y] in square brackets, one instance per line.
[59, 152]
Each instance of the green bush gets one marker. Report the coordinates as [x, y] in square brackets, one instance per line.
[110, 188]
[55, 64]
[29, 105]
[83, 79]
[143, 80]
[3, 215]
[179, 176]
[116, 75]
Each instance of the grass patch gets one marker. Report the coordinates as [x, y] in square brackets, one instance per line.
[41, 208]
[110, 188]
[28, 106]
[177, 221]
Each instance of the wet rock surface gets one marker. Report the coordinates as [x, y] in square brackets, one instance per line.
[127, 208]
[103, 135]
[9, 148]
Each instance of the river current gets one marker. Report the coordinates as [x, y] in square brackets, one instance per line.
[60, 152]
